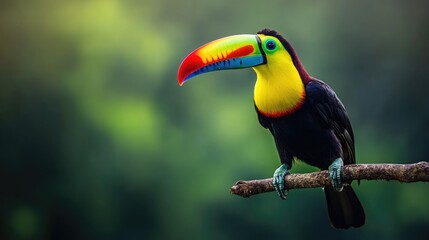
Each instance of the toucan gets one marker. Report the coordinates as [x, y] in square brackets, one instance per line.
[304, 115]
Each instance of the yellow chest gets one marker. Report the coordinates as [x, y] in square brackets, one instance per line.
[278, 90]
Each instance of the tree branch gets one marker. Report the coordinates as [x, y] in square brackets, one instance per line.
[418, 172]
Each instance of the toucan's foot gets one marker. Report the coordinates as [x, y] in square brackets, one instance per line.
[335, 174]
[279, 180]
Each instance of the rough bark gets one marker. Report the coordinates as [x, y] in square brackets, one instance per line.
[407, 173]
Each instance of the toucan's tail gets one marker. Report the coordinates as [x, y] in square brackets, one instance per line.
[345, 209]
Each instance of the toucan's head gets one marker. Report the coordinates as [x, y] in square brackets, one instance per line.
[240, 51]
[279, 88]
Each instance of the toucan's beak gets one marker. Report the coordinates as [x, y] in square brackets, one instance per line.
[238, 51]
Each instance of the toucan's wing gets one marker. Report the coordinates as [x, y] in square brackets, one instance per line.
[332, 113]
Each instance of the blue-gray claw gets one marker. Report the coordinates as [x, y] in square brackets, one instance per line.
[335, 174]
[279, 180]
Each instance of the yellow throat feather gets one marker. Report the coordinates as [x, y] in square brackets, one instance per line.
[279, 89]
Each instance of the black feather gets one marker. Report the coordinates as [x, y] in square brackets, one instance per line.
[344, 208]
[331, 112]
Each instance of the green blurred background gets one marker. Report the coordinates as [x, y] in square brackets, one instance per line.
[98, 141]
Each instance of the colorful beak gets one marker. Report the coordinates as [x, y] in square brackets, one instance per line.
[234, 52]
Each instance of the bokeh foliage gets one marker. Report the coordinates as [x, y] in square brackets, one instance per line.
[98, 141]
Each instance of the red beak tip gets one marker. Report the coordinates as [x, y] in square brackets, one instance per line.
[180, 81]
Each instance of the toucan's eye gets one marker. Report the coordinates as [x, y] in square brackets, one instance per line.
[270, 45]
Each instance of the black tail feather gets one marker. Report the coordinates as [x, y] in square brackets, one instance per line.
[345, 209]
